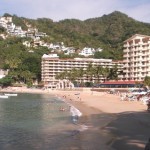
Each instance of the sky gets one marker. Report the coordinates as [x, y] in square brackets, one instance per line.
[75, 9]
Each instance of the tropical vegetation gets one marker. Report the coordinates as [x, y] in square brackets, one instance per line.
[24, 66]
[101, 73]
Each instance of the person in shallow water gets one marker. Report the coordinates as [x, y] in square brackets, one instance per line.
[61, 109]
[147, 146]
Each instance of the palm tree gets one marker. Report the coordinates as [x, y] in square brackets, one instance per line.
[14, 75]
[27, 76]
[113, 73]
[62, 75]
[81, 73]
[105, 73]
[13, 63]
[98, 72]
[147, 81]
[90, 72]
[73, 75]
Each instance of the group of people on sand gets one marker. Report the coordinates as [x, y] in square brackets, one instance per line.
[77, 97]
[129, 97]
[148, 105]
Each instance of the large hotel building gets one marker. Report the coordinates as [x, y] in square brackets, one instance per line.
[52, 65]
[137, 57]
[135, 65]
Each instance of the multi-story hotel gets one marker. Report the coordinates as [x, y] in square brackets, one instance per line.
[52, 65]
[137, 57]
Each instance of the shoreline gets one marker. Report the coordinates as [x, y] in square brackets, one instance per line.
[92, 121]
[110, 106]
[103, 115]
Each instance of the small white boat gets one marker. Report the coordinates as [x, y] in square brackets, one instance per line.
[3, 96]
[10, 94]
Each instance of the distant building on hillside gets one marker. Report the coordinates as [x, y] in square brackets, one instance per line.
[87, 51]
[4, 21]
[3, 73]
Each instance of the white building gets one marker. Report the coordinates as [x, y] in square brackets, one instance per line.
[137, 57]
[68, 50]
[87, 51]
[3, 73]
[4, 21]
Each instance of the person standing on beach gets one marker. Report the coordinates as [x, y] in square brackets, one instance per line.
[148, 105]
[147, 146]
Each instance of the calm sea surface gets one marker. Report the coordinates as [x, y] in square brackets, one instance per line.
[34, 122]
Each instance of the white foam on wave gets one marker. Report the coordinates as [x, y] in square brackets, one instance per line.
[83, 127]
[75, 112]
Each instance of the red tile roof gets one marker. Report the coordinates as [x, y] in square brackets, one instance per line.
[119, 82]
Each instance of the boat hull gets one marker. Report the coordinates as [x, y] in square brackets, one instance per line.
[10, 94]
[3, 96]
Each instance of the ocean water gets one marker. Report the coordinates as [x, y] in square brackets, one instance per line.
[35, 122]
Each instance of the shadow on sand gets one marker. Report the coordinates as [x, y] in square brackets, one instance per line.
[130, 130]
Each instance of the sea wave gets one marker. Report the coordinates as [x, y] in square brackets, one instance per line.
[75, 113]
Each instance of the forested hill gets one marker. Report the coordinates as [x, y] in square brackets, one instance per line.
[107, 32]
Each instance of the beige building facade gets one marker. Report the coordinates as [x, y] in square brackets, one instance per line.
[52, 65]
[136, 55]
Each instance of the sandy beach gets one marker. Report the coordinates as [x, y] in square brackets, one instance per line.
[111, 124]
[123, 124]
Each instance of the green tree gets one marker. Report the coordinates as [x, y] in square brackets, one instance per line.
[73, 74]
[105, 73]
[6, 81]
[147, 81]
[113, 73]
[90, 72]
[27, 77]
[98, 70]
[15, 75]
[12, 63]
[62, 75]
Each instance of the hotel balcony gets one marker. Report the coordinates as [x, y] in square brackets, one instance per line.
[126, 66]
[138, 49]
[144, 43]
[148, 69]
[126, 55]
[126, 76]
[143, 76]
[140, 43]
[126, 45]
[126, 71]
[45, 68]
[126, 61]
[145, 49]
[126, 50]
